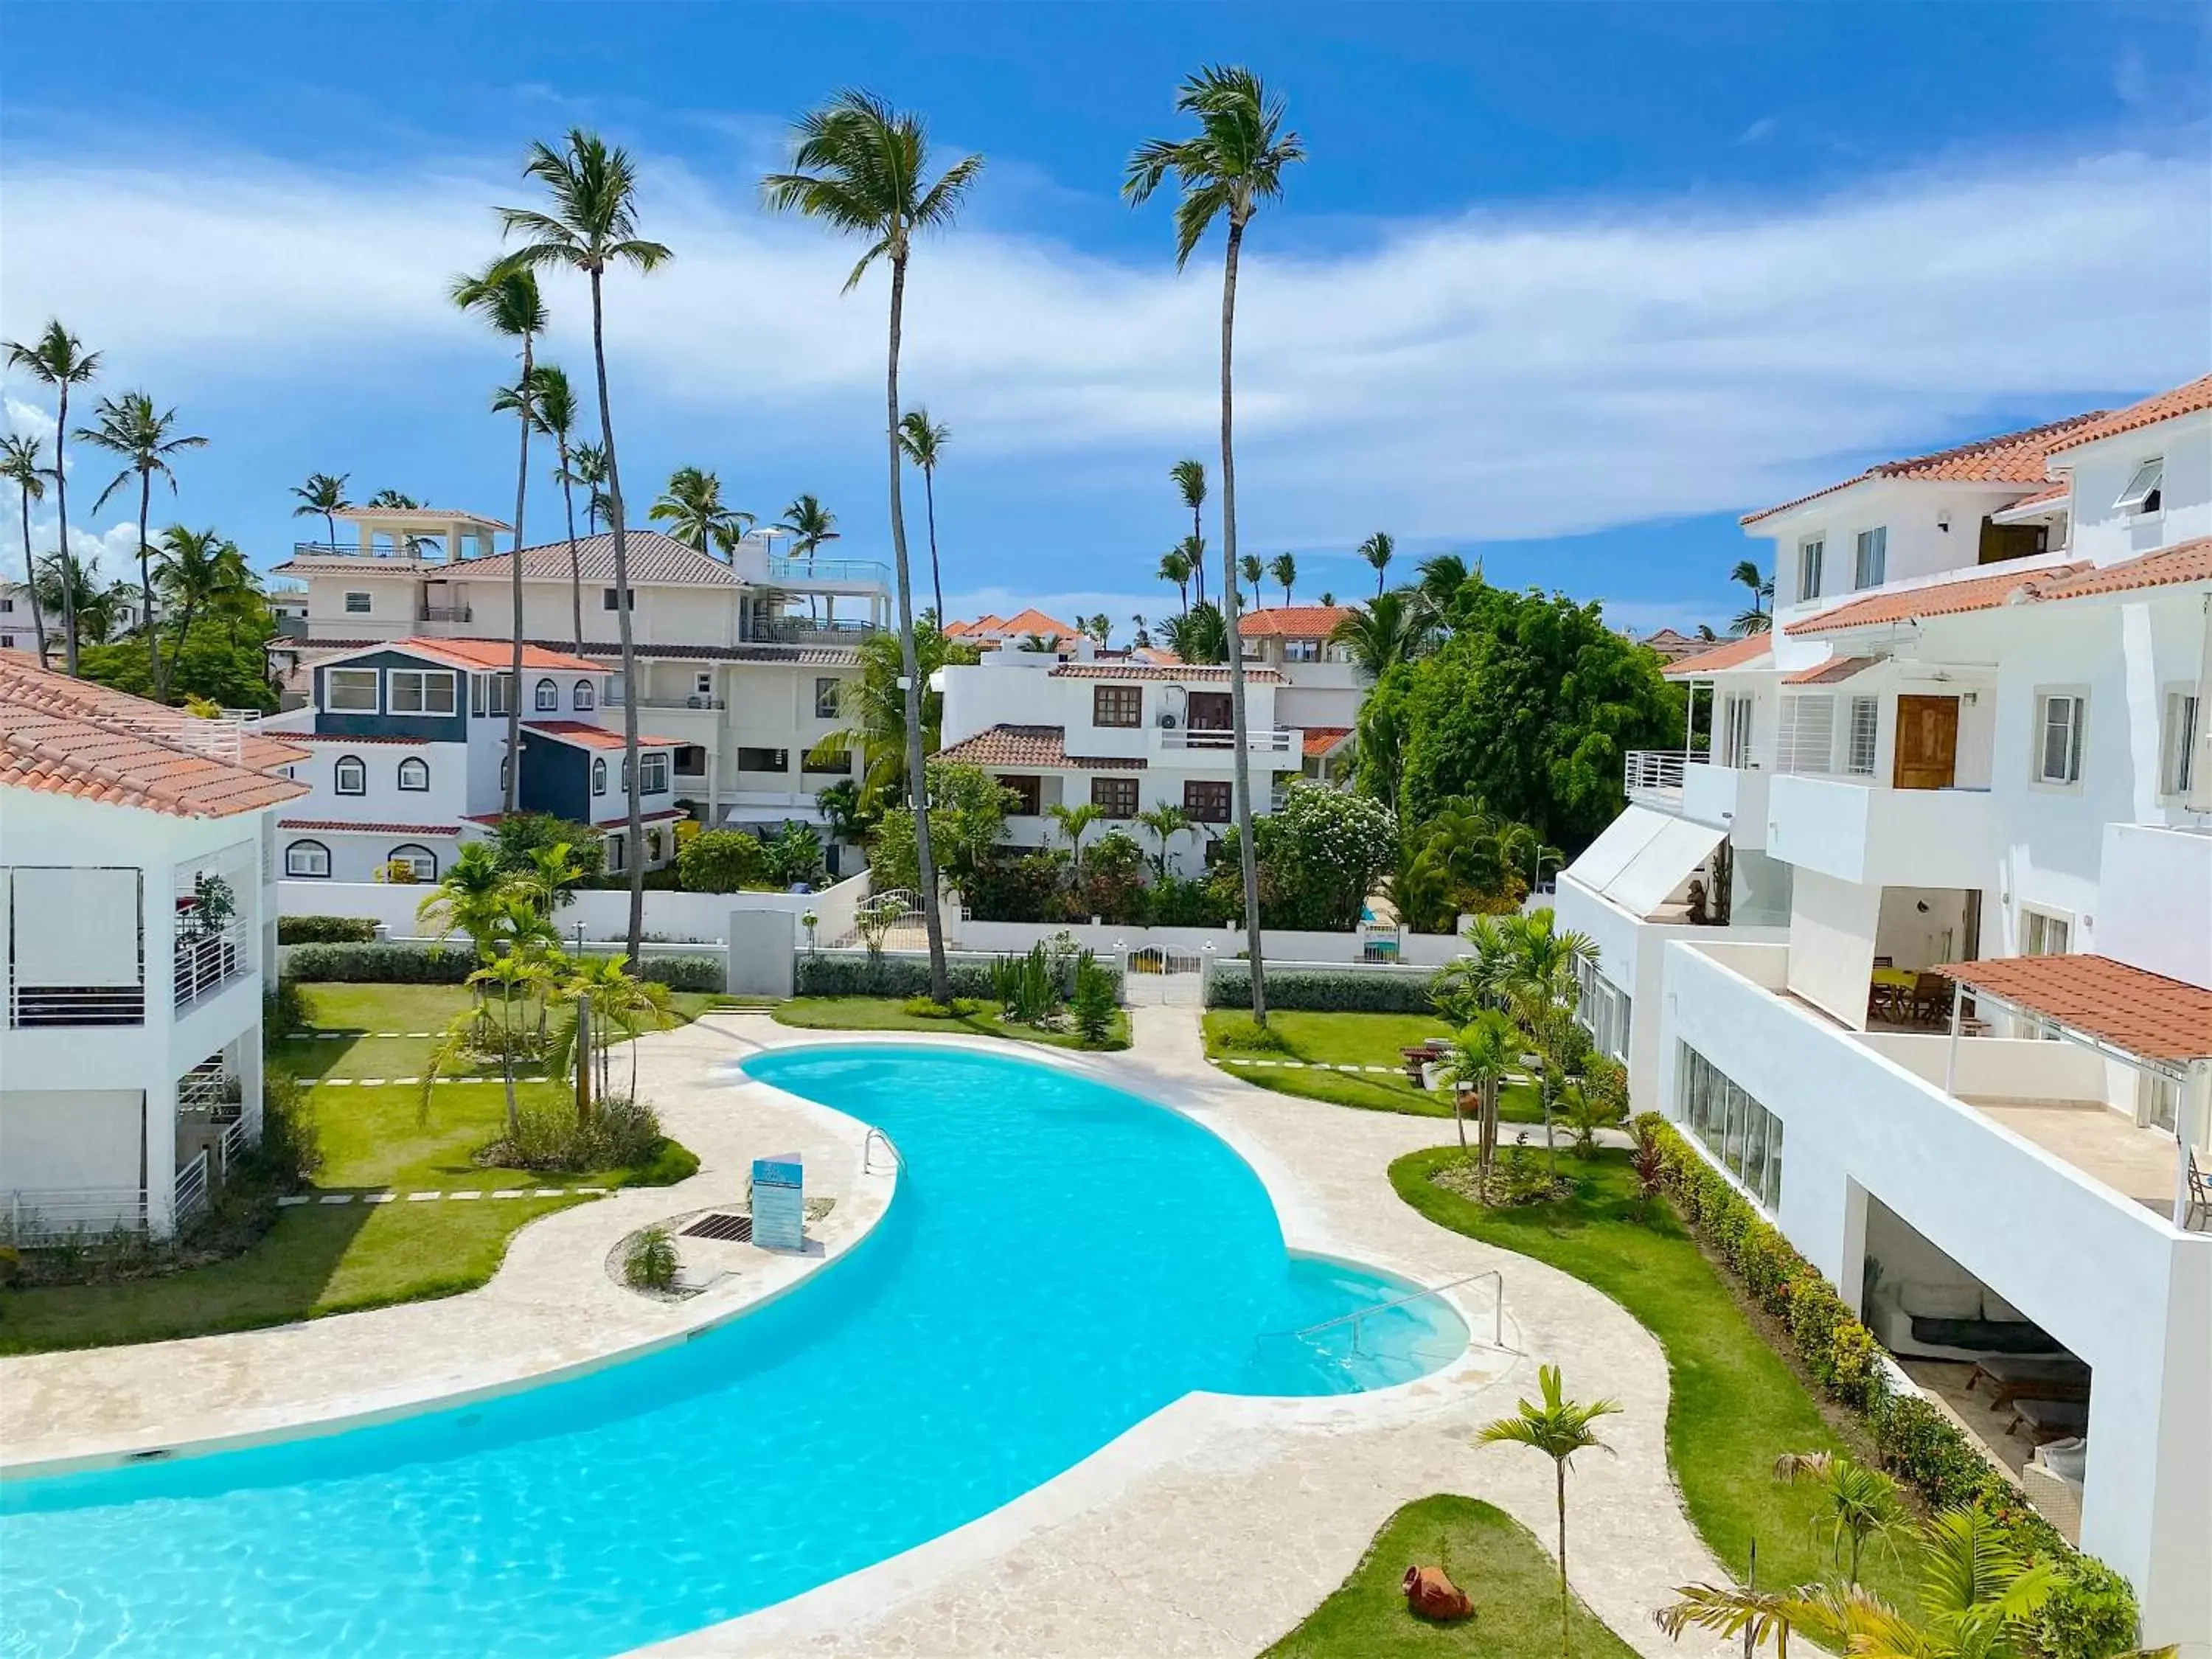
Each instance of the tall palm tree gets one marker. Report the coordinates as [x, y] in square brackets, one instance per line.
[130, 426]
[1099, 627]
[556, 419]
[1176, 567]
[858, 168]
[1377, 549]
[1189, 476]
[505, 296]
[393, 498]
[1388, 630]
[1254, 573]
[57, 358]
[924, 443]
[1756, 620]
[593, 225]
[1284, 568]
[1233, 164]
[323, 496]
[1443, 575]
[67, 589]
[194, 569]
[811, 524]
[589, 462]
[1558, 1428]
[692, 506]
[19, 465]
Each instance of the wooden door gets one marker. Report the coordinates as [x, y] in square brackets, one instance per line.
[1927, 743]
[1210, 711]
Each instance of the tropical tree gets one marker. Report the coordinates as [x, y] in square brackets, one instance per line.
[130, 427]
[195, 571]
[860, 167]
[1284, 568]
[1176, 567]
[1756, 619]
[1189, 476]
[588, 463]
[1200, 635]
[1233, 164]
[1075, 823]
[924, 442]
[393, 498]
[593, 226]
[57, 358]
[1732, 1611]
[622, 1002]
[1254, 573]
[1484, 1051]
[692, 507]
[504, 1018]
[1166, 821]
[1858, 1503]
[556, 406]
[476, 896]
[19, 465]
[872, 713]
[323, 496]
[1388, 630]
[1441, 576]
[1558, 1428]
[1377, 549]
[66, 587]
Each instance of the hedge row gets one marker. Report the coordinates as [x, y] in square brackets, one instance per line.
[325, 930]
[435, 964]
[2093, 1613]
[1321, 990]
[854, 974]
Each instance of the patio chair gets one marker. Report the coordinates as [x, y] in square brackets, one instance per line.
[1931, 998]
[2199, 1206]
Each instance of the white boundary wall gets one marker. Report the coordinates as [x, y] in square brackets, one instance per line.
[1278, 944]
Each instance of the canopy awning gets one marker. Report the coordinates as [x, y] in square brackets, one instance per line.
[1643, 856]
[2111, 1003]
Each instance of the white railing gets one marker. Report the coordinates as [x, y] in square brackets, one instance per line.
[31, 1007]
[232, 1147]
[47, 1215]
[1276, 740]
[1654, 772]
[191, 1188]
[208, 962]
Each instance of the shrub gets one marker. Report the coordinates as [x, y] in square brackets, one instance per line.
[650, 1262]
[722, 861]
[853, 974]
[958, 1008]
[793, 855]
[283, 1011]
[619, 1134]
[325, 930]
[1242, 1036]
[685, 973]
[385, 964]
[1178, 902]
[290, 1149]
[519, 835]
[1322, 990]
[1026, 986]
[1095, 1002]
[1014, 888]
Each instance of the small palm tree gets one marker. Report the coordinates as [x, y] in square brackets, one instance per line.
[57, 358]
[1756, 619]
[1486, 1049]
[1377, 549]
[474, 896]
[130, 426]
[924, 442]
[1558, 1428]
[1443, 575]
[1254, 573]
[197, 570]
[1175, 567]
[555, 403]
[1732, 1610]
[1166, 821]
[1075, 823]
[860, 167]
[1200, 635]
[592, 227]
[1859, 1504]
[1284, 568]
[589, 464]
[323, 496]
[19, 465]
[1098, 627]
[1388, 630]
[1189, 476]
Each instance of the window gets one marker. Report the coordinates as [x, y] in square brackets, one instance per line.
[1735, 728]
[420, 860]
[488, 693]
[349, 691]
[2181, 731]
[2058, 722]
[1866, 722]
[1028, 796]
[419, 691]
[618, 855]
[837, 765]
[825, 698]
[616, 691]
[598, 777]
[1117, 705]
[502, 693]
[1116, 797]
[2144, 492]
[652, 774]
[690, 760]
[547, 697]
[607, 599]
[356, 604]
[1742, 1134]
[1205, 803]
[1808, 570]
[583, 696]
[350, 777]
[7, 607]
[763, 760]
[2043, 934]
[414, 773]
[1872, 561]
[310, 861]
[1301, 650]
[1603, 1010]
[702, 684]
[1808, 739]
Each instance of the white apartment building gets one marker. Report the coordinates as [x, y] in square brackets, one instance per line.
[137, 900]
[1951, 1026]
[1321, 690]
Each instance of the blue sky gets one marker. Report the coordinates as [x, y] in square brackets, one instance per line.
[1569, 286]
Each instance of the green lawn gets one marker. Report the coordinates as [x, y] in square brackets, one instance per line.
[1734, 1405]
[1329, 1040]
[362, 1011]
[889, 1014]
[1512, 1580]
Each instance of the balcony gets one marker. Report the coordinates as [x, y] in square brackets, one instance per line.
[444, 613]
[1653, 777]
[1859, 831]
[213, 930]
[695, 701]
[807, 630]
[1732, 797]
[1276, 740]
[419, 549]
[864, 574]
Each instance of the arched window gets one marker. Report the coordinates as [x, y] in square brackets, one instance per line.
[307, 859]
[549, 697]
[421, 860]
[585, 696]
[350, 777]
[414, 773]
[598, 777]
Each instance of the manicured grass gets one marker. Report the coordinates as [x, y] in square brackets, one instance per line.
[1513, 1581]
[362, 1011]
[889, 1014]
[1349, 1039]
[1734, 1405]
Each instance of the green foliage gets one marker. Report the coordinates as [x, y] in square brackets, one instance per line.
[685, 973]
[209, 665]
[516, 839]
[1026, 987]
[1180, 902]
[549, 1137]
[1319, 858]
[325, 930]
[852, 974]
[794, 854]
[722, 861]
[1240, 1034]
[1095, 1001]
[2090, 1613]
[968, 810]
[387, 964]
[1464, 858]
[283, 1011]
[958, 1008]
[1114, 869]
[650, 1262]
[894, 858]
[289, 1153]
[1020, 888]
[1321, 990]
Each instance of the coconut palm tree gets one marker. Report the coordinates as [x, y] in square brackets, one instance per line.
[19, 465]
[194, 569]
[555, 404]
[1284, 568]
[1441, 576]
[1175, 567]
[1254, 573]
[593, 226]
[1755, 620]
[1233, 164]
[57, 358]
[589, 464]
[323, 496]
[1558, 1428]
[860, 167]
[1388, 630]
[924, 443]
[692, 506]
[1377, 549]
[1199, 635]
[1166, 821]
[1189, 476]
[1098, 627]
[1075, 823]
[811, 524]
[130, 426]
[66, 588]
[1733, 1610]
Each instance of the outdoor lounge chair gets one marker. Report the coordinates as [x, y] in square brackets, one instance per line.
[1421, 1056]
[2009, 1377]
[2049, 1419]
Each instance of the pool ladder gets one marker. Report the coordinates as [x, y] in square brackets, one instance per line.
[868, 1151]
[1353, 1318]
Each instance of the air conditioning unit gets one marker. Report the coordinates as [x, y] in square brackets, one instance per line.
[1169, 722]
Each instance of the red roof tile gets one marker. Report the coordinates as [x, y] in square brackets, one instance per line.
[1032, 745]
[2143, 1013]
[1018, 626]
[587, 736]
[2185, 562]
[46, 688]
[2013, 458]
[339, 826]
[1293, 622]
[2182, 400]
[1936, 599]
[1137, 671]
[493, 654]
[1320, 740]
[1833, 672]
[1743, 653]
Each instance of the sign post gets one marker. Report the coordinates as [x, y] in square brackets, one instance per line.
[780, 1202]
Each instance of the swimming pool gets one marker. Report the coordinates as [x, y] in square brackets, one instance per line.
[1061, 1261]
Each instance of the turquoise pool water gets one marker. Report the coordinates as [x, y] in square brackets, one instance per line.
[1061, 1261]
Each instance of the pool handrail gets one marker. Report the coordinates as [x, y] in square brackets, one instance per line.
[868, 1150]
[1498, 1323]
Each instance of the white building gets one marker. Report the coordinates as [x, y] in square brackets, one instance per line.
[1321, 690]
[1973, 754]
[137, 869]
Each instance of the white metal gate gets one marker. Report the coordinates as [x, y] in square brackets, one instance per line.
[1152, 976]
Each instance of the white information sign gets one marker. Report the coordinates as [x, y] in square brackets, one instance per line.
[780, 1202]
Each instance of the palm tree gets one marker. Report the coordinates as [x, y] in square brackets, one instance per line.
[1253, 574]
[924, 443]
[1388, 630]
[475, 896]
[1175, 567]
[811, 524]
[57, 358]
[1756, 620]
[1860, 1503]
[692, 506]
[323, 496]
[1199, 635]
[594, 225]
[1284, 568]
[1189, 476]
[858, 168]
[1377, 550]
[195, 568]
[19, 465]
[1075, 823]
[1443, 575]
[66, 588]
[1233, 164]
[557, 418]
[1166, 821]
[130, 427]
[873, 713]
[589, 464]
[1558, 1428]
[1730, 1611]
[1099, 629]
[1486, 1049]
[393, 498]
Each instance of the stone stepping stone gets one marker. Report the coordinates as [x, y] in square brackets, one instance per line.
[379, 1198]
[291, 1199]
[458, 1197]
[335, 1198]
[550, 1192]
[424, 1198]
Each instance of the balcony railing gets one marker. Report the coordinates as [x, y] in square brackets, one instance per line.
[854, 573]
[1653, 772]
[53, 1215]
[191, 1189]
[696, 700]
[418, 549]
[1276, 740]
[31, 1007]
[803, 630]
[444, 613]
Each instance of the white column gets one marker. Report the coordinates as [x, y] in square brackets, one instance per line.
[161, 1153]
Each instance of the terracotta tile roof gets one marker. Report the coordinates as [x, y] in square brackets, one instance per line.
[2185, 562]
[1018, 626]
[494, 654]
[587, 736]
[1137, 671]
[1833, 672]
[1671, 645]
[340, 737]
[2012, 457]
[1320, 740]
[1936, 599]
[1293, 622]
[621, 820]
[2056, 493]
[654, 560]
[22, 680]
[2182, 400]
[1032, 745]
[2143, 1013]
[803, 656]
[417, 515]
[338, 827]
[1744, 653]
